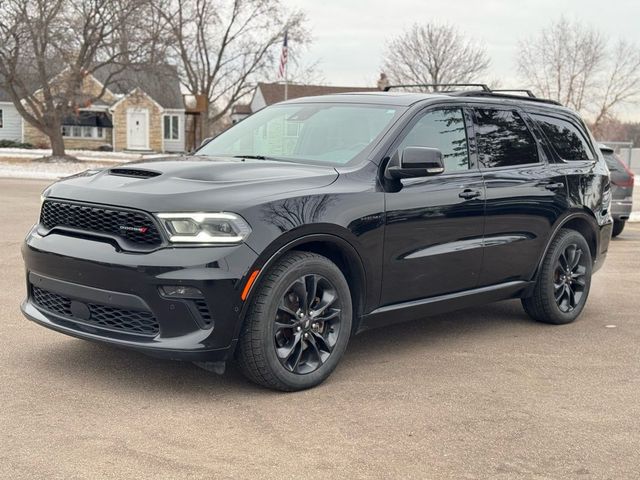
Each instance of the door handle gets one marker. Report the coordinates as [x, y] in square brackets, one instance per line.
[469, 194]
[554, 186]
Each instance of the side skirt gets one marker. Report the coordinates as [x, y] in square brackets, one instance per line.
[415, 309]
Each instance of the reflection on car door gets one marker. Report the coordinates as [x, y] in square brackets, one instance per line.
[434, 225]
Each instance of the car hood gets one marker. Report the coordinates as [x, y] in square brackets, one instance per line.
[192, 183]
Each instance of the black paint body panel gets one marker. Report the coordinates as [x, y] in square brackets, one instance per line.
[412, 249]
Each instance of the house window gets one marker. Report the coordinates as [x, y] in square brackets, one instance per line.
[77, 131]
[172, 127]
[292, 129]
[1, 118]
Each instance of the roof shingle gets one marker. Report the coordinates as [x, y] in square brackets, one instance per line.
[160, 82]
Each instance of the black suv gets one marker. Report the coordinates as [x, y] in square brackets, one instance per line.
[318, 218]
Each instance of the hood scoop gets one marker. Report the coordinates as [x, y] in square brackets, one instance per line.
[134, 172]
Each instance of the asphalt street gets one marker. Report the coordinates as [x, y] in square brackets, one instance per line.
[480, 393]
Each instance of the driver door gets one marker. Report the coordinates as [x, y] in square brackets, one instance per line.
[434, 225]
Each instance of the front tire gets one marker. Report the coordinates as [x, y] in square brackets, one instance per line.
[618, 227]
[563, 282]
[298, 324]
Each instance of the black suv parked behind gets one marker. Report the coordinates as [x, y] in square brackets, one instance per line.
[319, 218]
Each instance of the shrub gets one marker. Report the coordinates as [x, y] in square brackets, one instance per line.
[14, 144]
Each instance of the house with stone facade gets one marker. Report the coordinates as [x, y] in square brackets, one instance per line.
[141, 109]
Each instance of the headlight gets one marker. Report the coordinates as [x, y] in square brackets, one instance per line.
[205, 227]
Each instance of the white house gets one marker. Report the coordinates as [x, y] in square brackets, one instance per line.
[141, 109]
[10, 119]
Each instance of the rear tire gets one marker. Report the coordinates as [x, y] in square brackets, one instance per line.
[618, 227]
[563, 282]
[298, 324]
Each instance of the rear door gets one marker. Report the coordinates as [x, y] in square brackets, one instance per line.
[525, 193]
[434, 225]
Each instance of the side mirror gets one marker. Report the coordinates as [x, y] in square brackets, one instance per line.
[417, 162]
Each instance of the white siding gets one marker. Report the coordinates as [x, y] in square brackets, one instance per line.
[11, 123]
[174, 145]
[257, 102]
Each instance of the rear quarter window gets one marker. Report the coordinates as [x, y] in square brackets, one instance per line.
[566, 138]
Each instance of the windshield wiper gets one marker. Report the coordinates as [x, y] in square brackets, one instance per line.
[263, 157]
[254, 157]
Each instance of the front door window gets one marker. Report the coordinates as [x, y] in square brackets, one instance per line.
[445, 130]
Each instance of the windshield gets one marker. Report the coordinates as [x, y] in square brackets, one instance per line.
[305, 133]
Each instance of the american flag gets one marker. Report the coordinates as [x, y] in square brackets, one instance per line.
[284, 56]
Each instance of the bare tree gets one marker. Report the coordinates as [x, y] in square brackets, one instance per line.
[223, 46]
[621, 82]
[47, 49]
[434, 53]
[575, 65]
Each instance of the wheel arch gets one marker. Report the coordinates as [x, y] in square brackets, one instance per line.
[335, 248]
[583, 223]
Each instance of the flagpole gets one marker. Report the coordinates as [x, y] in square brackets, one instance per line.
[286, 82]
[284, 63]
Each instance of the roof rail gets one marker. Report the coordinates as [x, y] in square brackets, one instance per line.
[507, 90]
[494, 94]
[482, 86]
[484, 91]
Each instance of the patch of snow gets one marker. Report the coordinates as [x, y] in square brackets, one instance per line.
[43, 170]
[83, 155]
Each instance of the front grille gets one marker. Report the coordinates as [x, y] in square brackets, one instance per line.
[134, 227]
[104, 316]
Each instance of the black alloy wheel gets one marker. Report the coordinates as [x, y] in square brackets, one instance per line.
[569, 285]
[307, 324]
[298, 325]
[563, 280]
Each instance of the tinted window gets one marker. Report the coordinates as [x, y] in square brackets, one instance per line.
[567, 140]
[612, 161]
[504, 139]
[445, 130]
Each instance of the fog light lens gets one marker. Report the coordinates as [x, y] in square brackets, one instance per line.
[180, 291]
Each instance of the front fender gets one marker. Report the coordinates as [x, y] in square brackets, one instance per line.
[367, 292]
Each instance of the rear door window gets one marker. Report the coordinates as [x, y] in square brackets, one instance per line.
[504, 139]
[567, 140]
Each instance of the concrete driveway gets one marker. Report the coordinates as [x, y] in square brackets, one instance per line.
[481, 393]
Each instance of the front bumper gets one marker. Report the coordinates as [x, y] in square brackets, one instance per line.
[94, 291]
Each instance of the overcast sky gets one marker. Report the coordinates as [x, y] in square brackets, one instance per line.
[349, 35]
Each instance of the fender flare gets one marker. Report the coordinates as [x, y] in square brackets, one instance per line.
[561, 223]
[307, 238]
